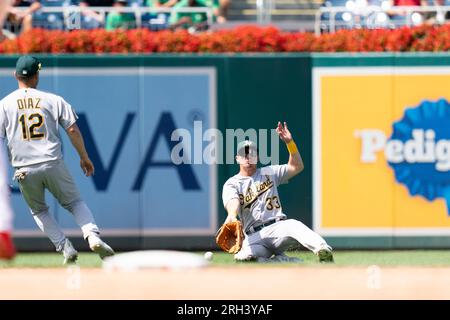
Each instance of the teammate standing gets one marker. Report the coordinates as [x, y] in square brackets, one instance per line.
[30, 120]
[252, 194]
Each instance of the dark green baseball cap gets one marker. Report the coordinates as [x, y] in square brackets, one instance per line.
[27, 66]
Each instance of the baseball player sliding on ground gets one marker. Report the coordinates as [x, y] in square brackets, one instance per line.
[252, 195]
[30, 120]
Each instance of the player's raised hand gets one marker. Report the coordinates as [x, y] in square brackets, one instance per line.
[284, 132]
[87, 166]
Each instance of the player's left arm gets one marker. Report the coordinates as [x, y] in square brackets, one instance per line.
[295, 163]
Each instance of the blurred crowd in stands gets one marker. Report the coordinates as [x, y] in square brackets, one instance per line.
[23, 15]
[352, 14]
[196, 15]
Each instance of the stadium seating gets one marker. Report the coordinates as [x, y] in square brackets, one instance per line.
[152, 21]
[50, 20]
[352, 14]
[371, 14]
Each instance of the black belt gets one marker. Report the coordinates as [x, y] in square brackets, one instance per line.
[265, 224]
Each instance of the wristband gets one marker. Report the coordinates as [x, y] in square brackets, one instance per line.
[292, 147]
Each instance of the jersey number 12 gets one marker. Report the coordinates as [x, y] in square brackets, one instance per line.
[30, 126]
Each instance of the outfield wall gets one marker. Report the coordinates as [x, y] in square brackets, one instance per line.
[382, 150]
[128, 106]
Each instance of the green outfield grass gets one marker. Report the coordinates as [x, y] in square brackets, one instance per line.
[342, 258]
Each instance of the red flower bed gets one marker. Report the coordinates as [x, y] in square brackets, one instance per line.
[240, 39]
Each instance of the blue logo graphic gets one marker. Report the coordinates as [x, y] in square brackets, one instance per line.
[419, 150]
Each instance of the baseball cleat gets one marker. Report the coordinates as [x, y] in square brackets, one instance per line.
[285, 258]
[69, 252]
[280, 258]
[101, 248]
[7, 249]
[244, 256]
[325, 256]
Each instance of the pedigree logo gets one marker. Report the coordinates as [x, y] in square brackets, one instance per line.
[418, 150]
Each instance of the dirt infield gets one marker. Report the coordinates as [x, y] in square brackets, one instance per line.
[254, 283]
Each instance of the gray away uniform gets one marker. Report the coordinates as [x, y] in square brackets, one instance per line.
[29, 121]
[268, 231]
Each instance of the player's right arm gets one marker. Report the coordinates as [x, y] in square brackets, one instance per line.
[233, 210]
[76, 138]
[230, 197]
